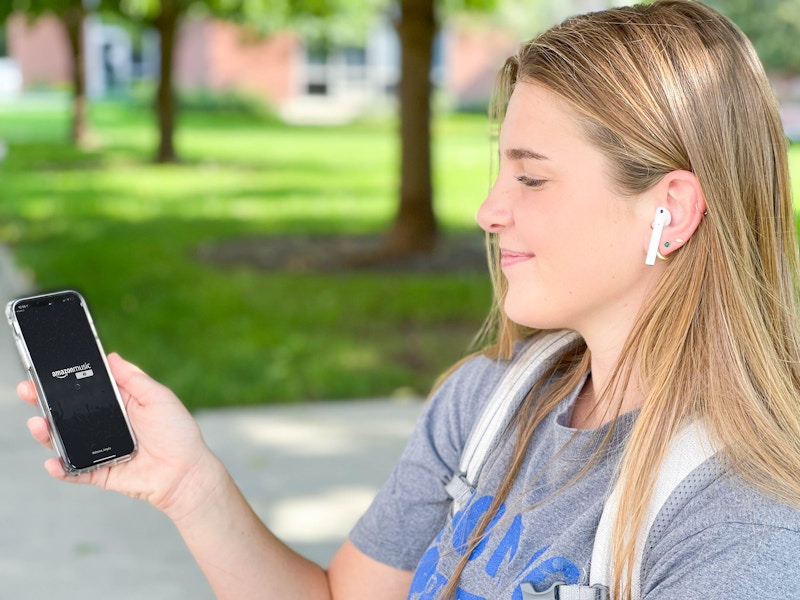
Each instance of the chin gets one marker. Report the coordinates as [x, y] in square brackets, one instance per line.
[533, 319]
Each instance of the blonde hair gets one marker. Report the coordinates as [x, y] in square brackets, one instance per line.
[661, 87]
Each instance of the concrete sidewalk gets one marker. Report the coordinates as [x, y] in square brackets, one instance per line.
[308, 470]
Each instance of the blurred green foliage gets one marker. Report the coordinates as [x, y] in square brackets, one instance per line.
[126, 232]
[772, 25]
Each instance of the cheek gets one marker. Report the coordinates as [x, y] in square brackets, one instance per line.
[587, 258]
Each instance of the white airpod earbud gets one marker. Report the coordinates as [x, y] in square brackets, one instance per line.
[661, 220]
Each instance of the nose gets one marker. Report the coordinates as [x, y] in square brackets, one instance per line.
[494, 214]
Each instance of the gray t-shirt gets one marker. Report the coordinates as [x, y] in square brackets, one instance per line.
[715, 537]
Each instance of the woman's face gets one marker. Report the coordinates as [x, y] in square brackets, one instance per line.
[572, 248]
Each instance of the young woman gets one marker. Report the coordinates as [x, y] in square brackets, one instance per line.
[632, 136]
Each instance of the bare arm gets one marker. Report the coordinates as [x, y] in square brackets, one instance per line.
[355, 576]
[176, 472]
[241, 558]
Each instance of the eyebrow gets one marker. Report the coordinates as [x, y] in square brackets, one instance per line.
[523, 153]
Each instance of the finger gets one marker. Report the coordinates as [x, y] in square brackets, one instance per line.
[125, 374]
[136, 382]
[97, 478]
[53, 467]
[56, 471]
[121, 369]
[27, 391]
[38, 428]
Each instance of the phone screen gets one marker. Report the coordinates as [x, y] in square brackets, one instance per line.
[72, 373]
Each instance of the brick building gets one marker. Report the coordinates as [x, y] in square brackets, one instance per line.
[218, 56]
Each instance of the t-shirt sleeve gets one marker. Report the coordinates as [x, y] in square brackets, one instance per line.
[738, 545]
[411, 507]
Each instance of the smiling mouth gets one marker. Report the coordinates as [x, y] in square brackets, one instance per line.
[510, 257]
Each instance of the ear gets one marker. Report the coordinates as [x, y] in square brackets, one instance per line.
[680, 192]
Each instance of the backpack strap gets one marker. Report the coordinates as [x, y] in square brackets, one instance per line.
[525, 369]
[688, 450]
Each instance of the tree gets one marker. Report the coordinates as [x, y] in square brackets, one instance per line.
[72, 14]
[165, 21]
[164, 16]
[415, 229]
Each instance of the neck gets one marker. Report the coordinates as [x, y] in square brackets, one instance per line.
[597, 404]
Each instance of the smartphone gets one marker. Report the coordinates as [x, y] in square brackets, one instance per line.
[60, 349]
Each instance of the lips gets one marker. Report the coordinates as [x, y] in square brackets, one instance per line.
[512, 257]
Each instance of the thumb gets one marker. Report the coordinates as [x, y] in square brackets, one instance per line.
[135, 382]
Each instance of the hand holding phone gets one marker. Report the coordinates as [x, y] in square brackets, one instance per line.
[173, 465]
[79, 399]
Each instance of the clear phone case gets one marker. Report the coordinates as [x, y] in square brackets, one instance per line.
[121, 422]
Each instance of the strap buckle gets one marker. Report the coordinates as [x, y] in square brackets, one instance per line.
[564, 591]
[459, 490]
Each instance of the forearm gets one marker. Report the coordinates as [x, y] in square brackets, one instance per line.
[176, 472]
[239, 556]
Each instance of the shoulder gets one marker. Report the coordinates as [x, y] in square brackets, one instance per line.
[730, 500]
[466, 390]
[726, 500]
[413, 504]
[460, 398]
[726, 536]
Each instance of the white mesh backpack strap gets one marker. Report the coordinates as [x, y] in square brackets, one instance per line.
[687, 451]
[690, 448]
[525, 369]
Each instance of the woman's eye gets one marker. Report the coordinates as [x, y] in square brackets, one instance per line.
[530, 181]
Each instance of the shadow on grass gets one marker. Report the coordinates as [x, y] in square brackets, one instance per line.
[454, 253]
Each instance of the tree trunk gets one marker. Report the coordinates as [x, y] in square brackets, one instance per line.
[414, 229]
[167, 26]
[73, 18]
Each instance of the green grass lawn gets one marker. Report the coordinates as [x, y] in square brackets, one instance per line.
[124, 232]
